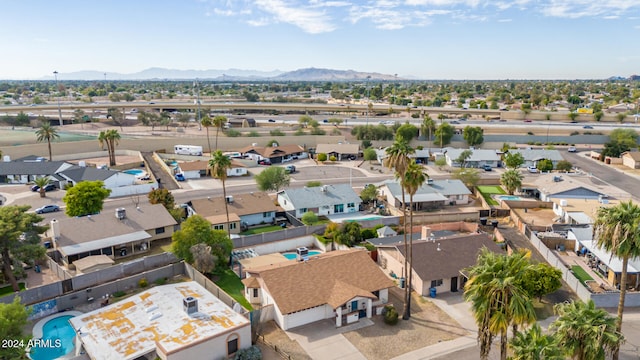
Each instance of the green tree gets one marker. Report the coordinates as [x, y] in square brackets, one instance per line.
[85, 198]
[182, 117]
[541, 279]
[13, 317]
[116, 115]
[162, 196]
[444, 133]
[219, 165]
[322, 157]
[41, 183]
[331, 232]
[407, 131]
[496, 299]
[196, 230]
[305, 120]
[350, 234]
[533, 344]
[428, 126]
[617, 230]
[16, 248]
[370, 154]
[544, 165]
[78, 116]
[598, 115]
[369, 193]
[628, 137]
[47, 133]
[273, 143]
[564, 165]
[585, 332]
[272, 178]
[309, 218]
[468, 176]
[463, 157]
[111, 138]
[513, 160]
[473, 135]
[206, 122]
[621, 117]
[572, 116]
[511, 180]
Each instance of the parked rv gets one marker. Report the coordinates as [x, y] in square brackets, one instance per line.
[187, 150]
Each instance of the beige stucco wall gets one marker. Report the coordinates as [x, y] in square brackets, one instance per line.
[215, 348]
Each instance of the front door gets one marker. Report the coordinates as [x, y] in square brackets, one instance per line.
[354, 305]
[454, 284]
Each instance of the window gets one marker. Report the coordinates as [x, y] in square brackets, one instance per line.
[460, 197]
[303, 210]
[159, 230]
[218, 227]
[350, 205]
[232, 345]
[266, 214]
[436, 283]
[339, 208]
[255, 293]
[232, 225]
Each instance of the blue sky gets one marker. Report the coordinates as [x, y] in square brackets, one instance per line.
[425, 39]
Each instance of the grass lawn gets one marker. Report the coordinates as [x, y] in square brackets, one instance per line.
[261, 229]
[6, 290]
[230, 283]
[488, 190]
[580, 273]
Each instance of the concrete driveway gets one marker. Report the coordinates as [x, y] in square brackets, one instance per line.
[322, 340]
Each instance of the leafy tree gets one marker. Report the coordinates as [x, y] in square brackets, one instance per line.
[16, 248]
[78, 116]
[197, 230]
[541, 279]
[614, 149]
[366, 144]
[335, 121]
[468, 176]
[219, 164]
[85, 198]
[313, 183]
[350, 234]
[116, 115]
[111, 138]
[462, 158]
[511, 180]
[473, 135]
[407, 131]
[322, 157]
[273, 143]
[183, 118]
[513, 160]
[598, 115]
[13, 317]
[369, 193]
[41, 183]
[617, 230]
[203, 259]
[331, 232]
[533, 344]
[585, 332]
[162, 196]
[621, 117]
[444, 133]
[564, 165]
[272, 178]
[544, 165]
[370, 154]
[305, 120]
[309, 218]
[47, 133]
[573, 116]
[624, 136]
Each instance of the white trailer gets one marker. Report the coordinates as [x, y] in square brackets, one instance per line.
[187, 150]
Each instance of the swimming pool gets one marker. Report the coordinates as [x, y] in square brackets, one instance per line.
[509, 197]
[292, 256]
[58, 337]
[134, 172]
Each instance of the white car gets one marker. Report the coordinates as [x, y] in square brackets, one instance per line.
[532, 169]
[572, 149]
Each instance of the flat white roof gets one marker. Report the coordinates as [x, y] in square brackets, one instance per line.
[130, 328]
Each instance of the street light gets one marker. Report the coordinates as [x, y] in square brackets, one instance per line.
[55, 74]
[197, 87]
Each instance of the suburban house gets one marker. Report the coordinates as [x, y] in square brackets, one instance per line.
[245, 210]
[548, 186]
[275, 154]
[579, 211]
[340, 151]
[345, 285]
[420, 156]
[532, 156]
[180, 321]
[199, 168]
[432, 194]
[26, 170]
[131, 230]
[437, 264]
[631, 159]
[321, 200]
[120, 183]
[479, 158]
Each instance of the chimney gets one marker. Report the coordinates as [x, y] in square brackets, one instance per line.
[426, 233]
[190, 305]
[121, 213]
[55, 230]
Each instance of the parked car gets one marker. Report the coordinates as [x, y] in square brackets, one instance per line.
[572, 149]
[289, 169]
[532, 169]
[179, 177]
[49, 187]
[47, 209]
[487, 167]
[587, 127]
[271, 120]
[264, 162]
[454, 122]
[527, 120]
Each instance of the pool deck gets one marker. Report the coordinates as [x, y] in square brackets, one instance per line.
[339, 218]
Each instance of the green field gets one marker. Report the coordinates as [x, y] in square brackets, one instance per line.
[487, 190]
[580, 273]
[6, 290]
[231, 284]
[261, 229]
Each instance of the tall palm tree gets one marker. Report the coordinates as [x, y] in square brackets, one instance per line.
[111, 138]
[617, 230]
[533, 344]
[206, 122]
[497, 301]
[47, 133]
[512, 180]
[585, 332]
[428, 125]
[218, 122]
[219, 164]
[398, 159]
[414, 177]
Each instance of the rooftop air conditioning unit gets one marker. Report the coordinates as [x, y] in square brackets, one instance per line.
[429, 181]
[190, 305]
[302, 253]
[121, 213]
[229, 199]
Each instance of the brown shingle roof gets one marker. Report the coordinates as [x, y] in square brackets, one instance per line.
[273, 151]
[251, 282]
[331, 278]
[243, 204]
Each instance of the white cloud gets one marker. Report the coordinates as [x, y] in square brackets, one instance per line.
[306, 18]
[587, 8]
[505, 20]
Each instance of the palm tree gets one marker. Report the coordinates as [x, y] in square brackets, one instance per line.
[398, 159]
[617, 230]
[48, 133]
[534, 345]
[218, 122]
[512, 180]
[219, 164]
[42, 183]
[428, 125]
[414, 177]
[206, 122]
[497, 301]
[584, 332]
[111, 138]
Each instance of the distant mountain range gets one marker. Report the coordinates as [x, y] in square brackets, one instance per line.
[309, 74]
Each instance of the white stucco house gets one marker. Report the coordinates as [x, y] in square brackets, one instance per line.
[479, 158]
[200, 168]
[431, 195]
[321, 200]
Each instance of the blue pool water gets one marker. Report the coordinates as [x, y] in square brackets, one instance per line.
[134, 172]
[509, 197]
[292, 256]
[55, 329]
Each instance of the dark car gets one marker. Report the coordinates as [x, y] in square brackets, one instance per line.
[264, 162]
[454, 122]
[487, 167]
[587, 127]
[47, 209]
[48, 187]
[179, 177]
[271, 120]
[527, 120]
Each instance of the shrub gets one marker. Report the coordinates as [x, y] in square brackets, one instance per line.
[161, 281]
[390, 315]
[322, 157]
[250, 353]
[300, 132]
[143, 283]
[369, 234]
[574, 133]
[253, 133]
[313, 183]
[276, 133]
[233, 133]
[529, 133]
[333, 158]
[309, 218]
[118, 294]
[336, 132]
[318, 132]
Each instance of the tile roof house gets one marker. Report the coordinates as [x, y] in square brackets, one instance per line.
[200, 168]
[479, 158]
[631, 159]
[338, 150]
[176, 321]
[321, 200]
[275, 154]
[129, 231]
[532, 156]
[245, 210]
[26, 171]
[437, 264]
[344, 285]
[432, 194]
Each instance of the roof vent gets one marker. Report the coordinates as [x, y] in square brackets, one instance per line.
[190, 305]
[324, 188]
[429, 181]
[121, 213]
